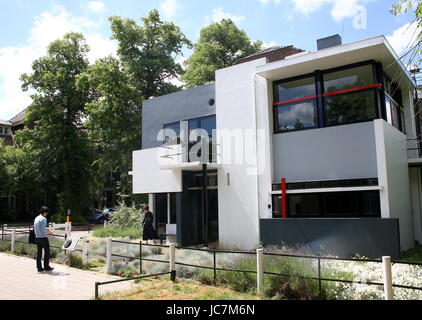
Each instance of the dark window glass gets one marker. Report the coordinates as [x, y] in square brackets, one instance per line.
[276, 206]
[206, 123]
[395, 114]
[295, 89]
[304, 205]
[313, 185]
[331, 204]
[370, 202]
[295, 186]
[341, 108]
[296, 116]
[340, 204]
[330, 184]
[348, 78]
[350, 107]
[173, 208]
[175, 126]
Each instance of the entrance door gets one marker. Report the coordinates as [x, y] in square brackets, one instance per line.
[192, 223]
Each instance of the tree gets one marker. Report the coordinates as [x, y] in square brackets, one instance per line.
[149, 52]
[220, 45]
[114, 119]
[414, 48]
[54, 133]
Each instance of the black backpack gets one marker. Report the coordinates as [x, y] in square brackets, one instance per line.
[31, 238]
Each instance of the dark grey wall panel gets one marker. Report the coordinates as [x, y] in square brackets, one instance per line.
[341, 152]
[182, 105]
[371, 237]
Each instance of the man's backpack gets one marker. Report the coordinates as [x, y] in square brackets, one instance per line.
[31, 238]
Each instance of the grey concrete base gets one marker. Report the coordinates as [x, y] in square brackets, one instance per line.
[344, 237]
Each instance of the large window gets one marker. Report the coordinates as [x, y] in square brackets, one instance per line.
[393, 104]
[175, 126]
[330, 204]
[326, 98]
[349, 95]
[295, 105]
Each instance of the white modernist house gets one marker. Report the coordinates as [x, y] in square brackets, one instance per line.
[310, 148]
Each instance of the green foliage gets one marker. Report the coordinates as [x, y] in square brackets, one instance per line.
[414, 254]
[220, 45]
[127, 217]
[402, 7]
[54, 134]
[289, 287]
[118, 232]
[114, 119]
[149, 52]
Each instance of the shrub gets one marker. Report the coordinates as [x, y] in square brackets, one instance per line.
[127, 217]
[118, 232]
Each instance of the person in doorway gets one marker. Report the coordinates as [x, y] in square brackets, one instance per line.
[149, 232]
[41, 239]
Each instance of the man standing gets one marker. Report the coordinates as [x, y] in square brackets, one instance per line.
[40, 228]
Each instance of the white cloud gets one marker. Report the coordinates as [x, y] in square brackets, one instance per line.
[96, 6]
[169, 8]
[270, 44]
[340, 9]
[404, 37]
[219, 14]
[264, 2]
[47, 27]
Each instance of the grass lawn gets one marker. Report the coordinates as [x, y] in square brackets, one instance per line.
[413, 255]
[182, 289]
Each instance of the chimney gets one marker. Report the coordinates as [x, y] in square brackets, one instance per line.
[329, 42]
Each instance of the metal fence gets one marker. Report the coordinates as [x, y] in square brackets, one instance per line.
[259, 254]
[385, 263]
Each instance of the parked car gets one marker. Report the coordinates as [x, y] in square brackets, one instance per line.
[99, 217]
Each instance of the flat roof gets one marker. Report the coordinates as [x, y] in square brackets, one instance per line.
[376, 48]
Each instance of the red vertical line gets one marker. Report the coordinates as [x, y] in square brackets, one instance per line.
[283, 198]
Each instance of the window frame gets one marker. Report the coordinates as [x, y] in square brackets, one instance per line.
[319, 103]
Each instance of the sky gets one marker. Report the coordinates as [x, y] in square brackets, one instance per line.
[28, 26]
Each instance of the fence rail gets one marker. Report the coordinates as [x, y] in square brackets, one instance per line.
[260, 273]
[259, 253]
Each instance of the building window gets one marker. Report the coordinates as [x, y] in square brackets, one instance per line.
[394, 109]
[326, 98]
[295, 107]
[175, 126]
[349, 95]
[330, 204]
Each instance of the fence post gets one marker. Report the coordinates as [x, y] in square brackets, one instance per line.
[85, 250]
[2, 231]
[109, 257]
[105, 223]
[259, 269]
[172, 260]
[319, 278]
[388, 283]
[12, 246]
[215, 267]
[96, 290]
[140, 257]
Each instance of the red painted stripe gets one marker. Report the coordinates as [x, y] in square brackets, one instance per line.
[283, 199]
[295, 100]
[376, 85]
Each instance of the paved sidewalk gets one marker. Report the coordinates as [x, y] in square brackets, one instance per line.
[19, 280]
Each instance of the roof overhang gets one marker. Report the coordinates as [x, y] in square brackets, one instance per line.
[376, 48]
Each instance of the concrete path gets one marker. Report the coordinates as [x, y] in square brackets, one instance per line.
[19, 280]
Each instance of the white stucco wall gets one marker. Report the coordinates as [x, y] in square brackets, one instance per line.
[148, 175]
[393, 177]
[238, 201]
